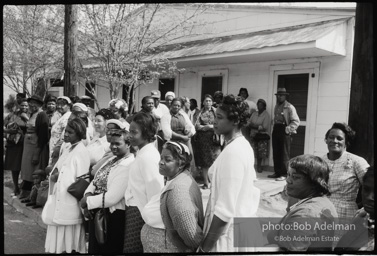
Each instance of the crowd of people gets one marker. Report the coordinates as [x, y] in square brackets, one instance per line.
[140, 168]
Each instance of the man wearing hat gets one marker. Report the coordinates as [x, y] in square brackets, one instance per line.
[159, 110]
[286, 122]
[86, 100]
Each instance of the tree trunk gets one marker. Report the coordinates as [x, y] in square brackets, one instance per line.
[70, 51]
[24, 56]
[361, 102]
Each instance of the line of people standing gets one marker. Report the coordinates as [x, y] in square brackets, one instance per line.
[153, 201]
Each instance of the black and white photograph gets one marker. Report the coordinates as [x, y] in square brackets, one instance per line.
[189, 128]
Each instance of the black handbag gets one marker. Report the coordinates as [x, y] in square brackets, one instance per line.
[261, 136]
[78, 187]
[100, 223]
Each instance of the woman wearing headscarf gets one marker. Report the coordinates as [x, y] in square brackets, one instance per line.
[232, 175]
[99, 145]
[112, 125]
[307, 181]
[63, 106]
[205, 145]
[15, 128]
[110, 183]
[81, 110]
[119, 108]
[35, 152]
[169, 96]
[174, 217]
[67, 234]
[259, 139]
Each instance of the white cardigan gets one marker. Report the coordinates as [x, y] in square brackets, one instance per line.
[145, 179]
[116, 186]
[166, 125]
[233, 193]
[70, 165]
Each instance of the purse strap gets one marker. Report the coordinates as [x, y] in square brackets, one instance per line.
[84, 176]
[103, 200]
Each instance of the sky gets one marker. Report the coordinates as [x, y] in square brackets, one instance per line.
[307, 4]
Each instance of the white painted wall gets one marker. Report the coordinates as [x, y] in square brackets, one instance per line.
[333, 87]
[333, 82]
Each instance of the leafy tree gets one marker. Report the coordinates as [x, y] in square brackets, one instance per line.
[119, 36]
[32, 46]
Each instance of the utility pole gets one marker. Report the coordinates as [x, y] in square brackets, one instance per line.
[70, 51]
[362, 83]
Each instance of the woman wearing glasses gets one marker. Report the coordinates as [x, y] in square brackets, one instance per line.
[174, 217]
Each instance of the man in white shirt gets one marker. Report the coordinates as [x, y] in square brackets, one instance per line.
[159, 110]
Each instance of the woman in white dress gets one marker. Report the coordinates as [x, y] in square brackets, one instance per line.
[232, 176]
[68, 234]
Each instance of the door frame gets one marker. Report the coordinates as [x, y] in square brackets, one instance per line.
[209, 73]
[311, 112]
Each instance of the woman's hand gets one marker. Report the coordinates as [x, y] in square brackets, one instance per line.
[55, 152]
[24, 117]
[83, 203]
[55, 175]
[87, 214]
[207, 127]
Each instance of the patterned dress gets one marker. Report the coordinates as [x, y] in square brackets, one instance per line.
[260, 147]
[345, 179]
[346, 176]
[205, 148]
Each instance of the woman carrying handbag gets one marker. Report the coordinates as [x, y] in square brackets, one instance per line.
[66, 233]
[112, 179]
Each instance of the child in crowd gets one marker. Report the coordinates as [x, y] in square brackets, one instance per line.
[38, 176]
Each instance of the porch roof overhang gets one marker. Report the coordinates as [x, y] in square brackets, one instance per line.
[326, 38]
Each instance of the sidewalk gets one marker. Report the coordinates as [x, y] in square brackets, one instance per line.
[271, 203]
